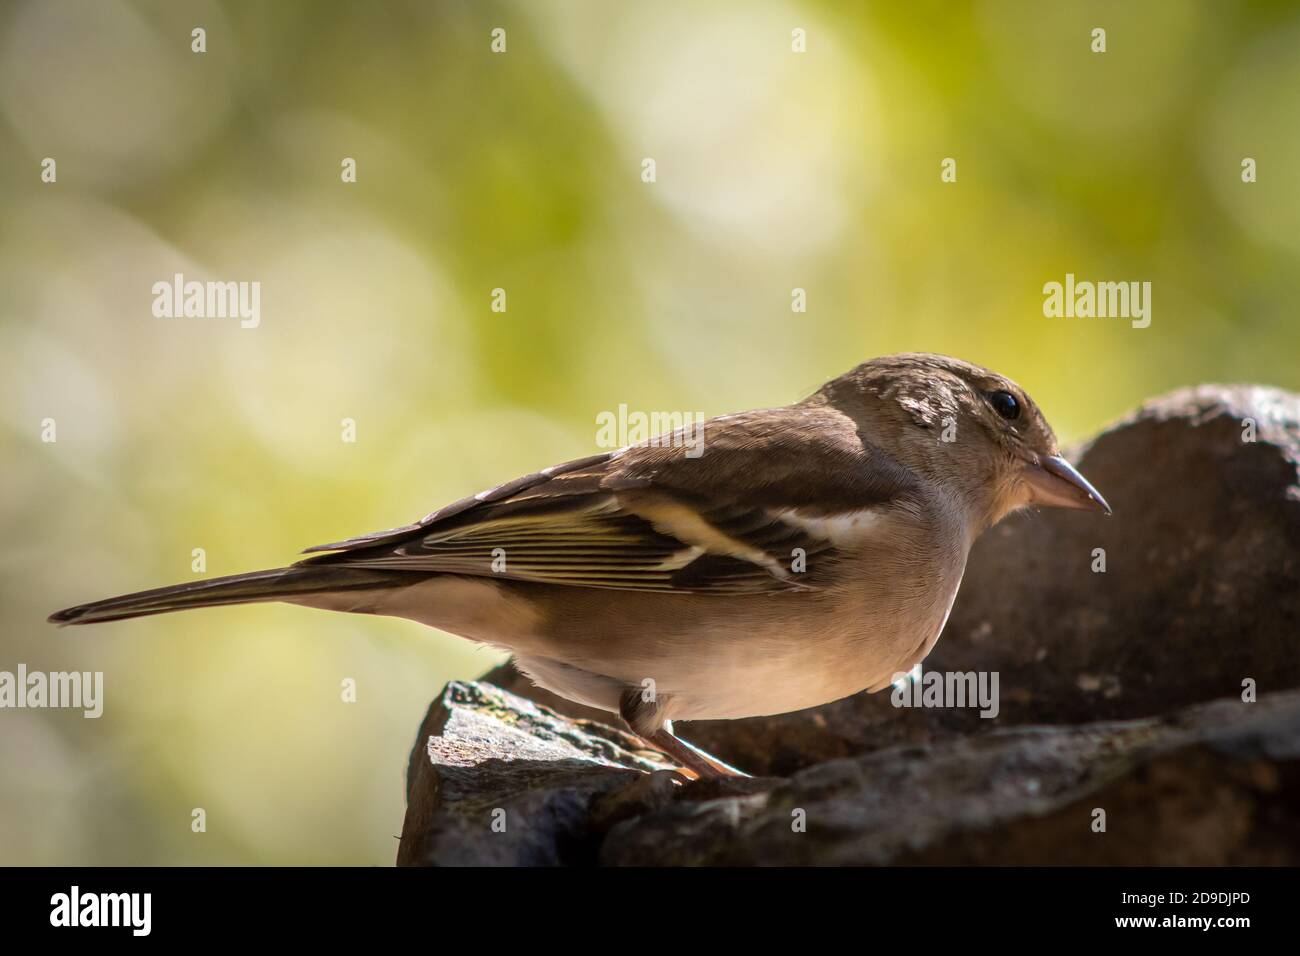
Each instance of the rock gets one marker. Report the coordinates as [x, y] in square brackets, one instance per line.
[496, 779]
[1200, 595]
[1214, 784]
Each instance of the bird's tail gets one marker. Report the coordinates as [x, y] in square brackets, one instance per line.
[278, 584]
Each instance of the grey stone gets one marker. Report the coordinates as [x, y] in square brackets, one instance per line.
[495, 779]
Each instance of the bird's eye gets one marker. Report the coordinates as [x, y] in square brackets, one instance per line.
[1005, 404]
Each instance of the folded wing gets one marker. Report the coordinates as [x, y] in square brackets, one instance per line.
[773, 500]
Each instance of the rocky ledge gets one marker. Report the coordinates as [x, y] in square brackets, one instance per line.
[1148, 706]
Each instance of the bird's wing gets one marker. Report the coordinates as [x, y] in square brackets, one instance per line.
[744, 504]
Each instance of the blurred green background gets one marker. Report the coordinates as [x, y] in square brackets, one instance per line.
[476, 170]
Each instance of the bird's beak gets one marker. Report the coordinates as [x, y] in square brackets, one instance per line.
[1053, 482]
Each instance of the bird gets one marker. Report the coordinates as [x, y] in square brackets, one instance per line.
[769, 561]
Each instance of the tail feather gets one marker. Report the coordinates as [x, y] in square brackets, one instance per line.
[276, 584]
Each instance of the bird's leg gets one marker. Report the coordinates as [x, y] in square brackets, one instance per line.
[701, 763]
[647, 720]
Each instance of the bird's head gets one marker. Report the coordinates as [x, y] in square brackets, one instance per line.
[965, 428]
